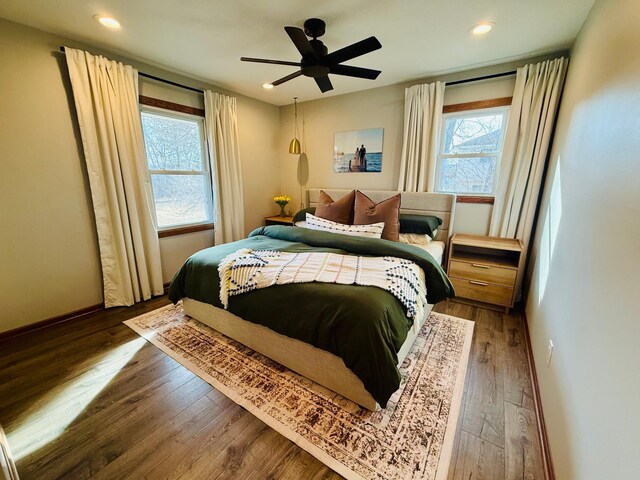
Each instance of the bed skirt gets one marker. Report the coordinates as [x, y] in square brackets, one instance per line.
[318, 365]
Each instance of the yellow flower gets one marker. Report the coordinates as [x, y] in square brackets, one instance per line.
[282, 199]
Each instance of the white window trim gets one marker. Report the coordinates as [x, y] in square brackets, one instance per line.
[206, 172]
[497, 153]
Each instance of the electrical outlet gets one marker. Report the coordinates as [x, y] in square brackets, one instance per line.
[550, 352]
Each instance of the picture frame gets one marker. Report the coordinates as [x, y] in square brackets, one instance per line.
[358, 151]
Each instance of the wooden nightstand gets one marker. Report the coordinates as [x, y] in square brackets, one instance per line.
[278, 220]
[485, 269]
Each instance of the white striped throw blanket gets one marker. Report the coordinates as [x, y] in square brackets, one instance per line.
[247, 270]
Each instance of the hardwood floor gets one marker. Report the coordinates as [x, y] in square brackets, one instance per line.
[497, 435]
[90, 399]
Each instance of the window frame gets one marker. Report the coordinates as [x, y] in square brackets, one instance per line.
[476, 112]
[206, 172]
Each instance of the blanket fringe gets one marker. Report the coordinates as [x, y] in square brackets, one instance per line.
[224, 272]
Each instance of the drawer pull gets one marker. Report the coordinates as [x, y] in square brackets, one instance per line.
[482, 284]
[478, 265]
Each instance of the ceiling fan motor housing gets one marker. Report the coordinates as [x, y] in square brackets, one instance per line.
[314, 71]
[313, 66]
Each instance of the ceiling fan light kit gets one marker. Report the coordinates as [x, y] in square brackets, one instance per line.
[317, 62]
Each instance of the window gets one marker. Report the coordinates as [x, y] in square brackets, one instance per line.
[470, 150]
[178, 167]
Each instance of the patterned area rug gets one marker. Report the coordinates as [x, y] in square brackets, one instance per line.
[410, 439]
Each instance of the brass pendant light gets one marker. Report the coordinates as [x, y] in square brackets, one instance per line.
[294, 145]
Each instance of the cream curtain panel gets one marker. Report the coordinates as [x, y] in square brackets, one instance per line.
[8, 470]
[221, 124]
[527, 141]
[528, 136]
[422, 114]
[106, 100]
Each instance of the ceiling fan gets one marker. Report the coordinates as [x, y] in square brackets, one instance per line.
[316, 62]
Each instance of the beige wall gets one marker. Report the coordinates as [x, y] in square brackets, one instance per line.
[586, 256]
[375, 108]
[48, 248]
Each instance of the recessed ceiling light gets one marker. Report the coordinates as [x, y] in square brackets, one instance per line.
[482, 28]
[267, 86]
[108, 22]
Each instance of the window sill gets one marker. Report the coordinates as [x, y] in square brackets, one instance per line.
[172, 232]
[475, 199]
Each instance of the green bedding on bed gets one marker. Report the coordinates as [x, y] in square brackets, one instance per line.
[365, 326]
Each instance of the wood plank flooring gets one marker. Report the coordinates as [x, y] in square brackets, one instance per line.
[90, 399]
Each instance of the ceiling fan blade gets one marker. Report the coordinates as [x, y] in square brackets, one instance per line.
[354, 71]
[324, 83]
[352, 51]
[264, 60]
[301, 42]
[287, 78]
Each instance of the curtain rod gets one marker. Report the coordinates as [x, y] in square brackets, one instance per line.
[485, 77]
[457, 82]
[169, 82]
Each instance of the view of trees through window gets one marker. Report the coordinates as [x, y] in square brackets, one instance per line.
[177, 166]
[469, 152]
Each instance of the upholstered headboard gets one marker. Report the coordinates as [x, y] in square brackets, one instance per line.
[441, 205]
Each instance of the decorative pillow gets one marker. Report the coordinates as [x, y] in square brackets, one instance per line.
[415, 238]
[367, 212]
[370, 231]
[301, 215]
[422, 224]
[340, 211]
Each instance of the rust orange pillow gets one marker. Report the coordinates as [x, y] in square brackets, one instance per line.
[388, 211]
[340, 211]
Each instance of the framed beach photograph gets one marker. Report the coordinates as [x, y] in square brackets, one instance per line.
[358, 151]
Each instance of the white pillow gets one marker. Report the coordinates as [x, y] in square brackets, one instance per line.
[302, 224]
[415, 238]
[373, 230]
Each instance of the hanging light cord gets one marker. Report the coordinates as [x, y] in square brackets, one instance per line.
[295, 107]
[303, 202]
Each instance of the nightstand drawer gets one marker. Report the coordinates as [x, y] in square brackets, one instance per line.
[482, 272]
[482, 291]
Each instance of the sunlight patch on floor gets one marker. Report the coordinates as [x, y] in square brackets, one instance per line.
[48, 418]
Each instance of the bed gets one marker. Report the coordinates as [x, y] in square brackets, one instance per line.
[323, 331]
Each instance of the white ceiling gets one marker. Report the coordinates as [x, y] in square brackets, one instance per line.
[205, 38]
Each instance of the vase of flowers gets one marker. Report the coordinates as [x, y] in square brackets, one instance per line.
[282, 201]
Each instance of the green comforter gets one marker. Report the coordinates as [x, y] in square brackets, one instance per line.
[365, 326]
